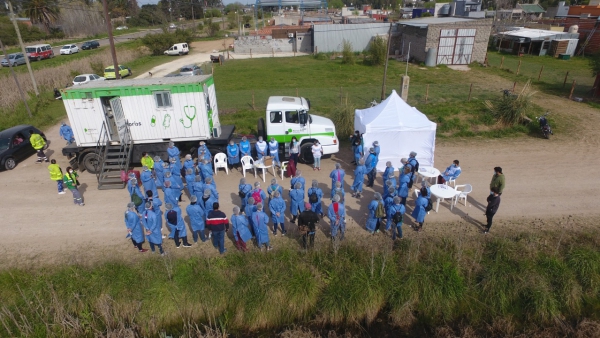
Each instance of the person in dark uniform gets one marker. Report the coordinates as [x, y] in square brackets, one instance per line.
[307, 222]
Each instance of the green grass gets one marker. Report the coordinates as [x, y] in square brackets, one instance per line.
[523, 280]
[45, 110]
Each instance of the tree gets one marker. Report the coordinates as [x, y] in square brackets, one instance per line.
[338, 4]
[44, 12]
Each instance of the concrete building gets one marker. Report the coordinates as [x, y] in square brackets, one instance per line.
[452, 40]
[537, 42]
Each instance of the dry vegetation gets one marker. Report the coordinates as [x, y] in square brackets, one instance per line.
[58, 77]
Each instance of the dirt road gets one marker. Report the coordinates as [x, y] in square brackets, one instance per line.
[547, 180]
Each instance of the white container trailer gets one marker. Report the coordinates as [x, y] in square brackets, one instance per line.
[146, 113]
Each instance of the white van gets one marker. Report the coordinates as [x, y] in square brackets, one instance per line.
[178, 49]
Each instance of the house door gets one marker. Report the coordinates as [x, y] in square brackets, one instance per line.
[117, 108]
[456, 46]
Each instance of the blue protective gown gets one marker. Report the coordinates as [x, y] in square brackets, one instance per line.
[159, 174]
[196, 215]
[394, 187]
[134, 189]
[262, 149]
[403, 185]
[272, 188]
[132, 222]
[189, 182]
[67, 133]
[371, 162]
[277, 205]
[297, 201]
[358, 151]
[188, 164]
[245, 188]
[205, 171]
[454, 170]
[371, 219]
[377, 150]
[171, 196]
[388, 173]
[338, 221]
[389, 200]
[240, 229]
[176, 177]
[152, 223]
[245, 148]
[213, 190]
[179, 226]
[156, 204]
[249, 210]
[337, 175]
[233, 154]
[390, 214]
[173, 152]
[316, 207]
[263, 196]
[260, 222]
[419, 212]
[301, 180]
[274, 151]
[148, 182]
[341, 192]
[204, 153]
[207, 205]
[359, 179]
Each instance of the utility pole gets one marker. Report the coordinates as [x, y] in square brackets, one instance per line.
[193, 18]
[387, 56]
[111, 40]
[14, 20]
[17, 81]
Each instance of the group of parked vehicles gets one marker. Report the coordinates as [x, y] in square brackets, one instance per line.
[45, 51]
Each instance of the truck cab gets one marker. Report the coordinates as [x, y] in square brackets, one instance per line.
[287, 117]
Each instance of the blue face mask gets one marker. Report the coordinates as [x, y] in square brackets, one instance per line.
[295, 141]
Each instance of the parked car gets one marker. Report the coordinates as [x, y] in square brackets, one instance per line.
[109, 72]
[15, 145]
[69, 49]
[15, 59]
[85, 78]
[190, 70]
[39, 52]
[172, 26]
[178, 49]
[120, 28]
[90, 45]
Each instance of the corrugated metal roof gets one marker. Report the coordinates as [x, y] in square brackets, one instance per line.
[537, 33]
[529, 8]
[144, 82]
[424, 22]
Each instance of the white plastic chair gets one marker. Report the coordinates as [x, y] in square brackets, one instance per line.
[247, 164]
[467, 188]
[283, 168]
[221, 162]
[452, 181]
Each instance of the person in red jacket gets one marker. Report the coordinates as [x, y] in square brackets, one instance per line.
[216, 221]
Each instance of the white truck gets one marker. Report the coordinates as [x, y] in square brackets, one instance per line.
[287, 117]
[114, 122]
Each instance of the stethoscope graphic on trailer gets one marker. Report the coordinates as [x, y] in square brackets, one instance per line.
[186, 110]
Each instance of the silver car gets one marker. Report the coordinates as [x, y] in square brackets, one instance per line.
[15, 59]
[190, 70]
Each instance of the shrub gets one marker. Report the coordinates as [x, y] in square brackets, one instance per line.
[97, 67]
[376, 54]
[343, 118]
[158, 43]
[348, 57]
[511, 109]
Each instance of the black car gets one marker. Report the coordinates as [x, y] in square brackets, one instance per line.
[90, 45]
[15, 145]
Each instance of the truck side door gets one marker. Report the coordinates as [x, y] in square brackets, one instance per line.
[293, 127]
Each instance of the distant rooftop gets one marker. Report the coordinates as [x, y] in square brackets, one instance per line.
[424, 22]
[532, 8]
[536, 34]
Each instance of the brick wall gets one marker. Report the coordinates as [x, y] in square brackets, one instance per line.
[262, 45]
[422, 39]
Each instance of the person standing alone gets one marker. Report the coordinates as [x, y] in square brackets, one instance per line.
[498, 181]
[71, 182]
[56, 175]
[492, 207]
[217, 223]
[38, 143]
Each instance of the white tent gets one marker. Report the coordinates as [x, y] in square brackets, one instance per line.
[399, 128]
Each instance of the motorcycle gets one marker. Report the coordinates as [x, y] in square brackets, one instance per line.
[544, 126]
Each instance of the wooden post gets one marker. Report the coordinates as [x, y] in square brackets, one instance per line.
[519, 67]
[502, 62]
[540, 74]
[565, 82]
[426, 92]
[346, 99]
[297, 92]
[341, 96]
[273, 52]
[251, 53]
[514, 86]
[572, 89]
[470, 90]
[316, 50]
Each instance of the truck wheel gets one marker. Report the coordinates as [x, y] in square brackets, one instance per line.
[91, 163]
[306, 155]
[260, 128]
[10, 163]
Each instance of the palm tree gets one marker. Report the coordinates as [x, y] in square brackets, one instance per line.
[44, 12]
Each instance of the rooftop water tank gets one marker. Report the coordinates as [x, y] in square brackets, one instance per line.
[574, 29]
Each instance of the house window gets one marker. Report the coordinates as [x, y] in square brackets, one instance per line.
[163, 99]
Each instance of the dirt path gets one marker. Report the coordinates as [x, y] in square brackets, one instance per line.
[547, 180]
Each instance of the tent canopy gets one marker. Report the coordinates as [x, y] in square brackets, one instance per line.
[399, 129]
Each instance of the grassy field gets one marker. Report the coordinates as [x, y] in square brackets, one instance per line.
[497, 285]
[440, 93]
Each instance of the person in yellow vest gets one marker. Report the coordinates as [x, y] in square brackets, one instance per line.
[147, 161]
[56, 174]
[38, 143]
